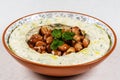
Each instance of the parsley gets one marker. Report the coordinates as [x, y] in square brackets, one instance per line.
[60, 38]
[56, 33]
[54, 45]
[68, 35]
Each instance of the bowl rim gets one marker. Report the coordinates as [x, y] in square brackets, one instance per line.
[48, 65]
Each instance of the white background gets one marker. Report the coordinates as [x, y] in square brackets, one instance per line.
[106, 10]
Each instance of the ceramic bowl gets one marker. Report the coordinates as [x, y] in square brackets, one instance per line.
[53, 70]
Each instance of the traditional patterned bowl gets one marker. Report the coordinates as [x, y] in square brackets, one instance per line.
[53, 70]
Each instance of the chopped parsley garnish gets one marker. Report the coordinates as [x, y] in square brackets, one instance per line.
[56, 43]
[56, 33]
[60, 37]
[68, 35]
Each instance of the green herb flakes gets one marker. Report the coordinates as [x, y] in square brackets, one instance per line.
[57, 33]
[68, 35]
[56, 43]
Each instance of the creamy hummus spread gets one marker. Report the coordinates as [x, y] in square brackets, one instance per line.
[98, 46]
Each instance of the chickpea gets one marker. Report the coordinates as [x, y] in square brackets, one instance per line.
[86, 42]
[65, 53]
[63, 47]
[40, 43]
[78, 46]
[71, 49]
[56, 52]
[77, 37]
[66, 30]
[35, 38]
[45, 31]
[43, 49]
[40, 49]
[76, 30]
[37, 48]
[49, 39]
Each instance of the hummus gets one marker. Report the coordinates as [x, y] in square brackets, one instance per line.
[98, 46]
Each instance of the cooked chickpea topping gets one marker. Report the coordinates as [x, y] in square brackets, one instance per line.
[58, 41]
[76, 30]
[78, 46]
[63, 47]
[71, 49]
[40, 43]
[34, 38]
[85, 42]
[65, 53]
[56, 52]
[49, 39]
[77, 37]
[66, 30]
[40, 49]
[45, 31]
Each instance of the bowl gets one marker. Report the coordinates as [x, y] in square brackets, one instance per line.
[58, 70]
